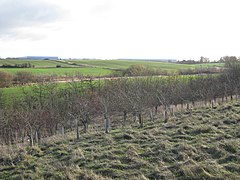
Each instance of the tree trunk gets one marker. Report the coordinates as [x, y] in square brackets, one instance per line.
[106, 124]
[135, 117]
[36, 137]
[23, 136]
[193, 103]
[156, 110]
[62, 130]
[171, 111]
[165, 116]
[140, 120]
[31, 138]
[124, 118]
[85, 125]
[176, 107]
[77, 130]
[151, 115]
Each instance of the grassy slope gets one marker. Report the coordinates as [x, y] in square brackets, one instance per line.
[198, 144]
[123, 64]
[36, 63]
[47, 67]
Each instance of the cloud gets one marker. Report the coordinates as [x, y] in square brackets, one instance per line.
[102, 9]
[16, 15]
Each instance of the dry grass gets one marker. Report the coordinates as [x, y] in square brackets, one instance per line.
[199, 144]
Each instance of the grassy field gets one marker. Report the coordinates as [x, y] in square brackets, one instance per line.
[93, 67]
[11, 94]
[195, 144]
[86, 71]
[124, 64]
[36, 63]
[48, 67]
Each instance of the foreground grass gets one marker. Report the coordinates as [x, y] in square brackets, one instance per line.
[196, 144]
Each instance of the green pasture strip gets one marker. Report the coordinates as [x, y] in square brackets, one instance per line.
[86, 71]
[15, 93]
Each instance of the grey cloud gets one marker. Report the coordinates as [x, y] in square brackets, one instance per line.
[17, 14]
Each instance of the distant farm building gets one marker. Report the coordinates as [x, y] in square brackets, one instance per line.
[42, 57]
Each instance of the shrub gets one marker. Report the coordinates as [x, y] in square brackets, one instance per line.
[5, 79]
[24, 65]
[141, 70]
[24, 77]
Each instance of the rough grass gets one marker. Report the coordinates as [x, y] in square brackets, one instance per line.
[196, 144]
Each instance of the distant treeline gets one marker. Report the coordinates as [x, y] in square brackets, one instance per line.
[206, 60]
[24, 65]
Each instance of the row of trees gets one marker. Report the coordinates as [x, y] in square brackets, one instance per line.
[224, 59]
[47, 109]
[24, 65]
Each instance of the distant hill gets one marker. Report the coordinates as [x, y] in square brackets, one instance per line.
[159, 60]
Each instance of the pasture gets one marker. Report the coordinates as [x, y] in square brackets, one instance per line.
[68, 71]
[93, 67]
[36, 63]
[124, 64]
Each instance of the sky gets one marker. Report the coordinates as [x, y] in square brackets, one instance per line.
[111, 29]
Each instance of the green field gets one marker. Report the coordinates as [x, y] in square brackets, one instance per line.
[48, 67]
[93, 67]
[36, 63]
[11, 94]
[195, 144]
[86, 71]
[124, 64]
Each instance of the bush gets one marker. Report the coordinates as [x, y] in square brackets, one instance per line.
[24, 77]
[141, 70]
[5, 79]
[24, 65]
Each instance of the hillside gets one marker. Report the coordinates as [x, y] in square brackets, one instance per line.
[201, 143]
[36, 63]
[124, 64]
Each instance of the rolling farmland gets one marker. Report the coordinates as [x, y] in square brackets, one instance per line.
[124, 64]
[93, 67]
[86, 71]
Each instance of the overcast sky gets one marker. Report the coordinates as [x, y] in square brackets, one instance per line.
[158, 29]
